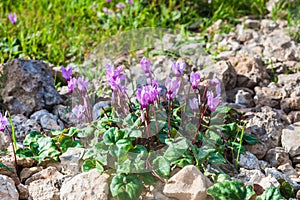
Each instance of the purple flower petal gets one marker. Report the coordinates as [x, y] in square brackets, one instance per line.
[195, 80]
[194, 104]
[212, 101]
[79, 111]
[178, 68]
[12, 18]
[146, 65]
[172, 86]
[3, 122]
[82, 84]
[66, 73]
[72, 84]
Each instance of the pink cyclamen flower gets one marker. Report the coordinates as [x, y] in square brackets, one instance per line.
[3, 122]
[115, 77]
[12, 18]
[178, 68]
[147, 95]
[172, 86]
[79, 111]
[130, 2]
[194, 104]
[120, 6]
[107, 11]
[215, 82]
[66, 73]
[146, 65]
[82, 84]
[212, 101]
[195, 80]
[72, 84]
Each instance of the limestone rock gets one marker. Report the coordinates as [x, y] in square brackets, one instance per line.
[250, 70]
[8, 160]
[29, 90]
[258, 149]
[188, 183]
[224, 71]
[277, 156]
[252, 24]
[244, 98]
[88, 185]
[4, 142]
[43, 189]
[50, 173]
[276, 174]
[268, 96]
[290, 104]
[8, 190]
[279, 45]
[23, 191]
[266, 126]
[248, 161]
[71, 160]
[27, 172]
[288, 170]
[25, 162]
[290, 139]
[251, 177]
[47, 120]
[23, 126]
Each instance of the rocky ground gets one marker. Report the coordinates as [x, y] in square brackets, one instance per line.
[258, 64]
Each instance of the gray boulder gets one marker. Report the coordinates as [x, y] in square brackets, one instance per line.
[28, 86]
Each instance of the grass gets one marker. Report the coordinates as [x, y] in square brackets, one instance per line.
[66, 31]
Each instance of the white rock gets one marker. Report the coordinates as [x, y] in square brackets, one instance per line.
[71, 160]
[248, 161]
[89, 185]
[290, 139]
[8, 190]
[188, 183]
[43, 189]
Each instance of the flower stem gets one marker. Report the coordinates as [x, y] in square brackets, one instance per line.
[14, 150]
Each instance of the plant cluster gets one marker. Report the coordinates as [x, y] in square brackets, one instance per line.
[141, 140]
[162, 128]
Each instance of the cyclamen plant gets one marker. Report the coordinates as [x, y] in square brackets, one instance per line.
[149, 96]
[161, 127]
[79, 87]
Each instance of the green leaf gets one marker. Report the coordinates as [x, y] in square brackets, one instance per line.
[250, 139]
[5, 167]
[130, 119]
[230, 129]
[24, 153]
[147, 178]
[88, 165]
[249, 191]
[65, 144]
[126, 187]
[286, 190]
[135, 133]
[216, 158]
[176, 149]
[229, 190]
[99, 167]
[85, 132]
[72, 132]
[33, 136]
[161, 166]
[271, 193]
[112, 135]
